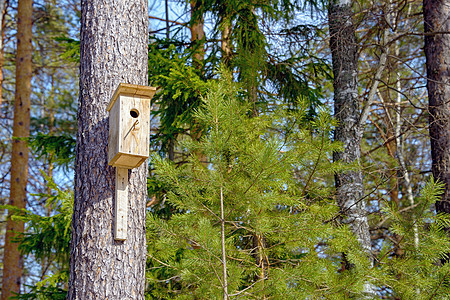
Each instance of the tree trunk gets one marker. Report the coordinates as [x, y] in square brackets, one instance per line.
[437, 52]
[349, 185]
[225, 43]
[3, 6]
[114, 37]
[197, 35]
[12, 260]
[166, 6]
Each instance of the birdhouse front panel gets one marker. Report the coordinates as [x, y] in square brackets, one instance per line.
[129, 128]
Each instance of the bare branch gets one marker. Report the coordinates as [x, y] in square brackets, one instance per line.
[373, 90]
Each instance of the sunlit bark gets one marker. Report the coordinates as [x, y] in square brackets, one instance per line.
[114, 39]
[13, 260]
[437, 52]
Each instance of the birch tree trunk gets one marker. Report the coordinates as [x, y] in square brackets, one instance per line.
[114, 39]
[437, 52]
[349, 185]
[13, 260]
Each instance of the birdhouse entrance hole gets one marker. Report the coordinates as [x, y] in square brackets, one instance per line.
[134, 113]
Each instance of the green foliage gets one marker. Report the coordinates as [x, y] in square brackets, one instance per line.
[48, 236]
[48, 293]
[267, 76]
[183, 87]
[45, 244]
[276, 238]
[273, 172]
[72, 49]
[281, 231]
[418, 273]
[48, 239]
[57, 149]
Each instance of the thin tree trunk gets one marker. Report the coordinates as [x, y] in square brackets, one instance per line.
[391, 148]
[166, 6]
[437, 52]
[225, 43]
[13, 260]
[262, 261]
[3, 6]
[400, 148]
[397, 125]
[171, 149]
[224, 254]
[349, 185]
[351, 123]
[114, 39]
[197, 35]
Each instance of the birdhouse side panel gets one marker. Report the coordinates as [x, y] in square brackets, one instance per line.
[114, 132]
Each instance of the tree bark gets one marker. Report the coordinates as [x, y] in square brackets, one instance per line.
[225, 43]
[114, 39]
[13, 260]
[197, 35]
[349, 184]
[166, 6]
[437, 51]
[3, 6]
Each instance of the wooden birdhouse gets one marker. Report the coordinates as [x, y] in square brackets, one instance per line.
[129, 125]
[128, 143]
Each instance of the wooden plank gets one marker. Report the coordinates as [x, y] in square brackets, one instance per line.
[126, 160]
[121, 205]
[114, 132]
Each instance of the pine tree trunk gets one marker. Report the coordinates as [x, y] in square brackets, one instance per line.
[349, 185]
[12, 260]
[114, 39]
[3, 6]
[166, 6]
[437, 52]
[197, 34]
[225, 43]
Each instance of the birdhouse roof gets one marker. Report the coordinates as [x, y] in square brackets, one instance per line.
[131, 89]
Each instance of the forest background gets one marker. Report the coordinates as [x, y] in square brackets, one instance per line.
[266, 112]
